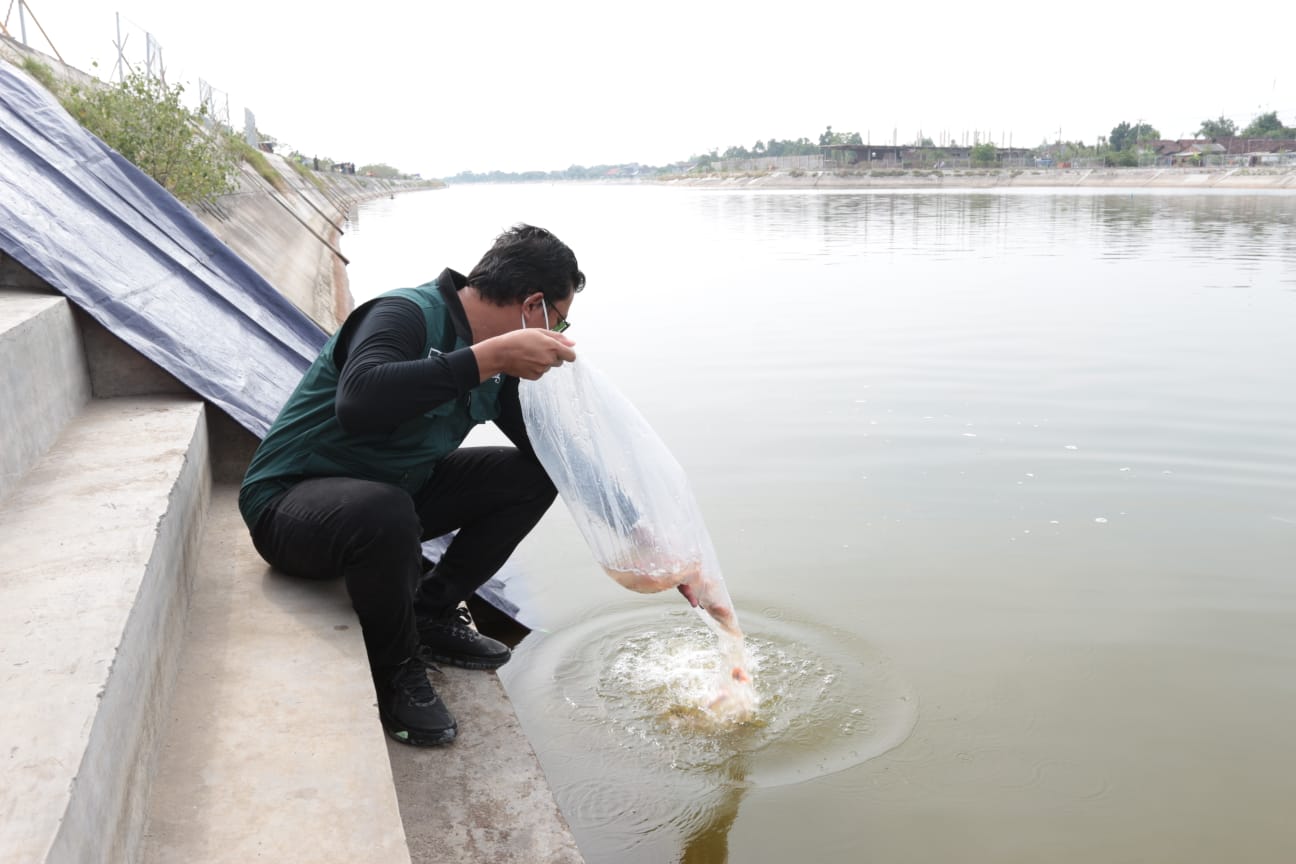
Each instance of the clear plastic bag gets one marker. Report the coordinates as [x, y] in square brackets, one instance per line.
[632, 502]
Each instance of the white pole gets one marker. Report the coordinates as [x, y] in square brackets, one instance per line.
[121, 73]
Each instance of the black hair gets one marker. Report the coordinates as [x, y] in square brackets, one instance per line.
[526, 259]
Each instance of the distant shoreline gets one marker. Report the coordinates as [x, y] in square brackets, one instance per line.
[1255, 179]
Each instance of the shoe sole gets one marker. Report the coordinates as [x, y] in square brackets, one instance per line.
[421, 739]
[462, 663]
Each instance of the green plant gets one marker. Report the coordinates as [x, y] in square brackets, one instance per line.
[42, 73]
[142, 119]
[1267, 126]
[306, 173]
[1221, 128]
[380, 170]
[985, 154]
[260, 164]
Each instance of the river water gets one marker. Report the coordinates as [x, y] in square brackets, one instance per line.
[1004, 489]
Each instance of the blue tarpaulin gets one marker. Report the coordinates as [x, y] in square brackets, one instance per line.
[119, 246]
[122, 248]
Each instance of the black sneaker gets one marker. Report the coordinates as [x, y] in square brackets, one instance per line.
[450, 638]
[410, 709]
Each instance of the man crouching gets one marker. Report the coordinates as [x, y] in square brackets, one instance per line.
[364, 463]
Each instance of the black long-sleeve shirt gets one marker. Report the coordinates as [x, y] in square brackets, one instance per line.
[385, 379]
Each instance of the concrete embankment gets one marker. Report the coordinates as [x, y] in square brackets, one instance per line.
[290, 228]
[1276, 179]
[168, 696]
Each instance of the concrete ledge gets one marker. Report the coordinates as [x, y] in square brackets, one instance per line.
[43, 378]
[98, 541]
[483, 799]
[273, 750]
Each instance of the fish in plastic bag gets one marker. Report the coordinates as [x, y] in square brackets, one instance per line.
[633, 505]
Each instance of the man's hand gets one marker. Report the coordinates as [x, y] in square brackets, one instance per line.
[523, 353]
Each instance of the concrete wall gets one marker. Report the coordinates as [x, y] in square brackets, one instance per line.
[291, 232]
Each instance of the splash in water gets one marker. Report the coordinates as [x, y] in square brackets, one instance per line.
[732, 695]
[636, 688]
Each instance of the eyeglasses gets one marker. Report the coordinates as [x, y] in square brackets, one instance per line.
[558, 326]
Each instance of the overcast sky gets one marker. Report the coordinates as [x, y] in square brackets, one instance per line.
[442, 87]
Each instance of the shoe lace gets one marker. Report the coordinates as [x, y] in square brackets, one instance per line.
[413, 682]
[458, 621]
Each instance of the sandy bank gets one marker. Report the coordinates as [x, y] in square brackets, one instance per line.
[1278, 179]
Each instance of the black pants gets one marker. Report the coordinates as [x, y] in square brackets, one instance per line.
[369, 534]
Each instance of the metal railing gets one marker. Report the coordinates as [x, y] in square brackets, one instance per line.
[150, 64]
[25, 12]
[140, 52]
[215, 105]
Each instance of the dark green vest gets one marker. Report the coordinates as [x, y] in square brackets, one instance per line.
[307, 441]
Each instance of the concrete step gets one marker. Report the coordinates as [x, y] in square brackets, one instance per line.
[43, 378]
[484, 799]
[273, 748]
[98, 540]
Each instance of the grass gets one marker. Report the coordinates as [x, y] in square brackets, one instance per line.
[307, 174]
[260, 164]
[42, 73]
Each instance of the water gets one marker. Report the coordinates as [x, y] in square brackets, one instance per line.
[1004, 488]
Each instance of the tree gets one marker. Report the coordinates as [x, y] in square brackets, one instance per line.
[1124, 136]
[381, 170]
[1221, 128]
[1267, 126]
[1144, 132]
[799, 147]
[830, 137]
[1119, 133]
[985, 154]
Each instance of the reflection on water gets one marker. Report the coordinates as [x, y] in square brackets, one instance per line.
[1036, 447]
[946, 226]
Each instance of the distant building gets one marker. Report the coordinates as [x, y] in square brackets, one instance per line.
[1231, 150]
[889, 155]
